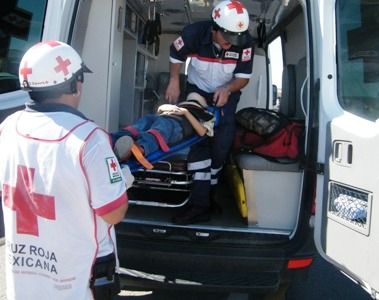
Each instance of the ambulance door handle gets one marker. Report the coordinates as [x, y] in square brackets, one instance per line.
[119, 19]
[349, 154]
[337, 152]
[343, 153]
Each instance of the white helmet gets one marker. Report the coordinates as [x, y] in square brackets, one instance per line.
[49, 64]
[232, 19]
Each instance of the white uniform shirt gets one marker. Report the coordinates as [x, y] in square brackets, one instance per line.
[56, 171]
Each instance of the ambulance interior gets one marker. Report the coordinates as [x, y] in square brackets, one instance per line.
[256, 195]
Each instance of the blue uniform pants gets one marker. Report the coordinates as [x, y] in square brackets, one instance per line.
[206, 159]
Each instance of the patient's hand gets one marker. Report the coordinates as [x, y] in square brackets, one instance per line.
[165, 107]
[169, 109]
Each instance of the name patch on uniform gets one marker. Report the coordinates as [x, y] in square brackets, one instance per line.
[229, 54]
[178, 44]
[113, 171]
[246, 54]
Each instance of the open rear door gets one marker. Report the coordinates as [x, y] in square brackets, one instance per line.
[347, 216]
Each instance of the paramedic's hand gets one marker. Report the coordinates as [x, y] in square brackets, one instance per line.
[129, 178]
[221, 96]
[172, 91]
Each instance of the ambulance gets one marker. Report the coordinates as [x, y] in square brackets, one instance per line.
[317, 61]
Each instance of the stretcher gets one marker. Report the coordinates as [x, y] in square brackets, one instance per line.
[167, 183]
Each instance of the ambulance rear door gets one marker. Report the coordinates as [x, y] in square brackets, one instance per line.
[347, 204]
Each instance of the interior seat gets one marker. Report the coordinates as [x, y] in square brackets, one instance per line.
[275, 207]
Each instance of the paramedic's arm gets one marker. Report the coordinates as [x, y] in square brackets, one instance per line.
[222, 93]
[173, 88]
[117, 215]
[106, 183]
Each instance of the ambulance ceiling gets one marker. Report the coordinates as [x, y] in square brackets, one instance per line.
[174, 14]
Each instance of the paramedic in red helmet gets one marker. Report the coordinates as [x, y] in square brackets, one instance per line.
[62, 187]
[221, 52]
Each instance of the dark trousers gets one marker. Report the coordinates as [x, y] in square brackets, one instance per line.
[206, 159]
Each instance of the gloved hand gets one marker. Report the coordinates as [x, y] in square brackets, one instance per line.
[128, 176]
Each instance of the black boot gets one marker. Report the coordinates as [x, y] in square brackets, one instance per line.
[214, 207]
[194, 214]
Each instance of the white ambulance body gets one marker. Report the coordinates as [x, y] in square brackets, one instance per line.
[323, 58]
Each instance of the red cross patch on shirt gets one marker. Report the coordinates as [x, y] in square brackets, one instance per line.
[246, 54]
[113, 171]
[178, 43]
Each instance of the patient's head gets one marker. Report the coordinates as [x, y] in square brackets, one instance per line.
[197, 97]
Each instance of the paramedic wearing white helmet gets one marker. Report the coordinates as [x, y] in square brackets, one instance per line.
[221, 52]
[62, 188]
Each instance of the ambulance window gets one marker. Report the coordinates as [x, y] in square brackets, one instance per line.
[358, 57]
[21, 23]
[275, 51]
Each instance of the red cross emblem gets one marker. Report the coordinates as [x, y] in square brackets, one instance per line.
[178, 44]
[217, 13]
[27, 204]
[247, 52]
[62, 65]
[25, 71]
[238, 6]
[50, 43]
[113, 165]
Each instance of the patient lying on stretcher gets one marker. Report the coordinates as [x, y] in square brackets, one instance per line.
[169, 126]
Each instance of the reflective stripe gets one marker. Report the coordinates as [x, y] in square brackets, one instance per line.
[214, 181]
[199, 165]
[215, 175]
[215, 171]
[202, 176]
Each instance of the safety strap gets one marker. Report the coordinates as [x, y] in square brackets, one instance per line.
[218, 113]
[160, 139]
[139, 156]
[132, 130]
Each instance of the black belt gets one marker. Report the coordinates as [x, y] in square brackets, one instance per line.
[186, 125]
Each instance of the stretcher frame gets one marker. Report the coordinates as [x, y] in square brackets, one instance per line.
[177, 179]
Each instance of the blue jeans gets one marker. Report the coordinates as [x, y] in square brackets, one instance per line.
[170, 130]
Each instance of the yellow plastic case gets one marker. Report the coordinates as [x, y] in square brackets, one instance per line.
[237, 186]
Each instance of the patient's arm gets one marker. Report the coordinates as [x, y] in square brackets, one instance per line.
[169, 109]
[200, 129]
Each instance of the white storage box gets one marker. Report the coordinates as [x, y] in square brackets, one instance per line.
[272, 191]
